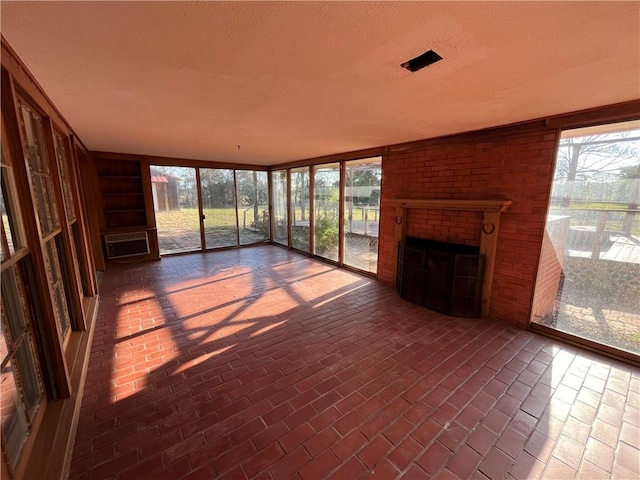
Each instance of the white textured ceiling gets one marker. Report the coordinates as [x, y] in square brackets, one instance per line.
[294, 80]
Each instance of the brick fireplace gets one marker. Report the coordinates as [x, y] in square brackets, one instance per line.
[514, 163]
[487, 231]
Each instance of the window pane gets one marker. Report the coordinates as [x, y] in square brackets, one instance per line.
[14, 304]
[301, 217]
[253, 206]
[52, 263]
[36, 152]
[279, 186]
[32, 389]
[362, 213]
[7, 230]
[9, 210]
[15, 428]
[62, 158]
[21, 389]
[175, 204]
[327, 201]
[219, 207]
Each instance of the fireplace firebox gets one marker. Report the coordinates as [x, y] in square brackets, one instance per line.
[444, 277]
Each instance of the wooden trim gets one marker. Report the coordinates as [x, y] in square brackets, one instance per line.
[454, 204]
[203, 237]
[81, 219]
[341, 196]
[177, 162]
[151, 228]
[312, 209]
[590, 345]
[32, 236]
[270, 207]
[235, 202]
[93, 206]
[488, 248]
[289, 210]
[65, 229]
[400, 222]
[619, 112]
[489, 232]
[53, 443]
[333, 158]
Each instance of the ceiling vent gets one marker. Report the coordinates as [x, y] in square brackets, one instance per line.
[424, 60]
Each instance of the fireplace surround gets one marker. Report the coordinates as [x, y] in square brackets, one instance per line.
[491, 209]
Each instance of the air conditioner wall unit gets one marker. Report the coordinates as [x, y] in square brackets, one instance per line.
[121, 245]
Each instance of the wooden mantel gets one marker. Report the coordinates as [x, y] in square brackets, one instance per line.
[489, 231]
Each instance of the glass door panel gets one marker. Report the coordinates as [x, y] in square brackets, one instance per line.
[300, 215]
[219, 207]
[326, 216]
[362, 213]
[280, 207]
[175, 203]
[253, 206]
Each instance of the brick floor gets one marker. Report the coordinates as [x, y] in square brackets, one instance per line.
[260, 363]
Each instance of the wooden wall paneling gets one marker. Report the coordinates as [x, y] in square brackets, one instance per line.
[179, 162]
[152, 230]
[50, 337]
[93, 206]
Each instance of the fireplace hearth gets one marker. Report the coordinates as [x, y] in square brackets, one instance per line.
[444, 277]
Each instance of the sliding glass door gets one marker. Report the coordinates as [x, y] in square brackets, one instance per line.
[300, 213]
[362, 213]
[175, 202]
[253, 206]
[326, 215]
[205, 208]
[219, 207]
[280, 207]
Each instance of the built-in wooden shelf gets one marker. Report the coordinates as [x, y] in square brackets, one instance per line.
[121, 189]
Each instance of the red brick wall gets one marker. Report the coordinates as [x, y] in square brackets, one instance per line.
[514, 164]
[445, 225]
[550, 268]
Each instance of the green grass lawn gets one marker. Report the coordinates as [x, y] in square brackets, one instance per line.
[188, 218]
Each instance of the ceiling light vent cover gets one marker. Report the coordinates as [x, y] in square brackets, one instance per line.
[427, 58]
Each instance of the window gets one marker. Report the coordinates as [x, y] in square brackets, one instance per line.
[253, 206]
[589, 271]
[326, 205]
[300, 205]
[280, 207]
[362, 213]
[21, 390]
[35, 151]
